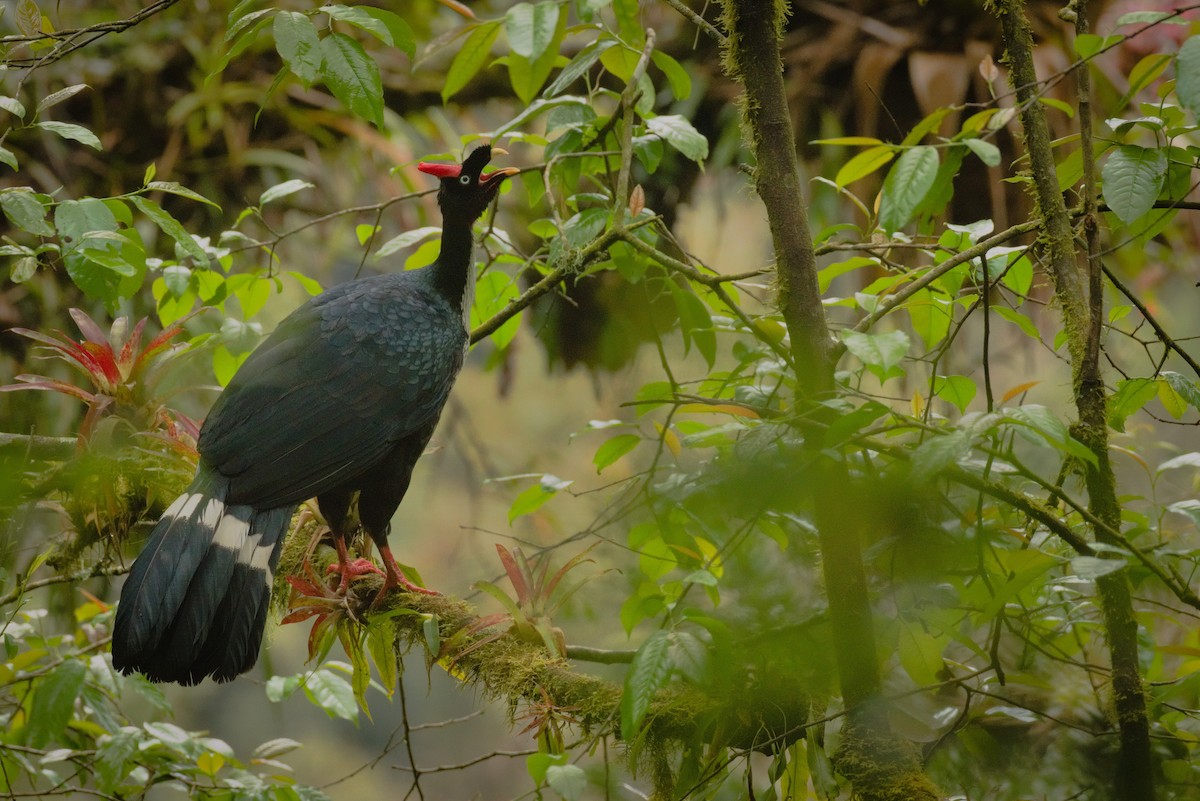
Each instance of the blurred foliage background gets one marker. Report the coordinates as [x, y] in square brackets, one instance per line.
[197, 167]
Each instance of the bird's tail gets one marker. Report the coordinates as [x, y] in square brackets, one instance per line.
[195, 603]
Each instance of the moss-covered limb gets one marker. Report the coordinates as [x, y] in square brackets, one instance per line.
[1082, 312]
[752, 59]
[54, 449]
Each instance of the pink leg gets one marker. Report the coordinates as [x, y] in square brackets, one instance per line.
[393, 577]
[348, 569]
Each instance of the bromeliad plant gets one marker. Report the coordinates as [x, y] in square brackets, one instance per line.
[122, 371]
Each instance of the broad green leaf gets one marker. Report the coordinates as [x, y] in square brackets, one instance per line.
[1185, 387]
[528, 75]
[401, 32]
[1093, 567]
[677, 76]
[9, 158]
[1131, 395]
[1146, 71]
[920, 654]
[353, 77]
[649, 671]
[331, 693]
[283, 190]
[931, 316]
[23, 269]
[75, 218]
[54, 98]
[569, 781]
[863, 164]
[1171, 400]
[1133, 177]
[359, 17]
[22, 206]
[12, 105]
[988, 153]
[532, 498]
[171, 227]
[54, 702]
[907, 183]
[680, 134]
[937, 453]
[585, 226]
[629, 23]
[956, 389]
[883, 351]
[1089, 44]
[1019, 320]
[493, 293]
[69, 130]
[298, 44]
[470, 58]
[1191, 459]
[695, 323]
[407, 239]
[1187, 75]
[538, 763]
[578, 66]
[614, 449]
[175, 188]
[530, 27]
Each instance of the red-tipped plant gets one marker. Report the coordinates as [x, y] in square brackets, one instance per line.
[121, 371]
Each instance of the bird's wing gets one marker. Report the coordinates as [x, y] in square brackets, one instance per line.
[331, 391]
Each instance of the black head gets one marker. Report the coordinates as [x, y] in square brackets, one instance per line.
[466, 190]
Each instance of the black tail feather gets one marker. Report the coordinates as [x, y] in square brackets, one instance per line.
[196, 599]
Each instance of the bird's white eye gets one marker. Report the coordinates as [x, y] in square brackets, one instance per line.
[464, 179]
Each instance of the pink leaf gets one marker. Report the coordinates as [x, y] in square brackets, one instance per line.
[88, 327]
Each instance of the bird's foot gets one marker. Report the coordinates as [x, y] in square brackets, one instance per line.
[394, 577]
[350, 571]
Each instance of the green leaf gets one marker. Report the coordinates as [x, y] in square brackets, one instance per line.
[23, 269]
[614, 449]
[407, 240]
[882, 351]
[1019, 320]
[532, 498]
[69, 130]
[26, 211]
[920, 654]
[298, 44]
[1184, 387]
[283, 190]
[937, 453]
[353, 77]
[649, 671]
[578, 66]
[530, 27]
[1187, 75]
[988, 153]
[1146, 71]
[400, 31]
[1131, 395]
[931, 316]
[695, 323]
[864, 164]
[907, 183]
[629, 23]
[677, 76]
[175, 188]
[54, 98]
[171, 227]
[493, 293]
[681, 135]
[528, 75]
[359, 17]
[1133, 177]
[585, 226]
[539, 763]
[569, 781]
[956, 389]
[470, 58]
[54, 702]
[1171, 400]
[9, 158]
[331, 693]
[1044, 422]
[1093, 567]
[12, 105]
[76, 218]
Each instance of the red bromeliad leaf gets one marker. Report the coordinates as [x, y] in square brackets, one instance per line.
[88, 327]
[103, 356]
[514, 574]
[130, 349]
[50, 385]
[302, 614]
[159, 343]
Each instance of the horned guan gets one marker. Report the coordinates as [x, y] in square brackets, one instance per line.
[341, 398]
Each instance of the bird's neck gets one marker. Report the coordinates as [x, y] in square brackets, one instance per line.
[453, 271]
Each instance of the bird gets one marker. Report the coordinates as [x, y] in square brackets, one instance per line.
[339, 400]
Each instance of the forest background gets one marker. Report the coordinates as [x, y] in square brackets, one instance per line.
[830, 427]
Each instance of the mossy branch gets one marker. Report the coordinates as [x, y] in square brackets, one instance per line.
[1082, 309]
